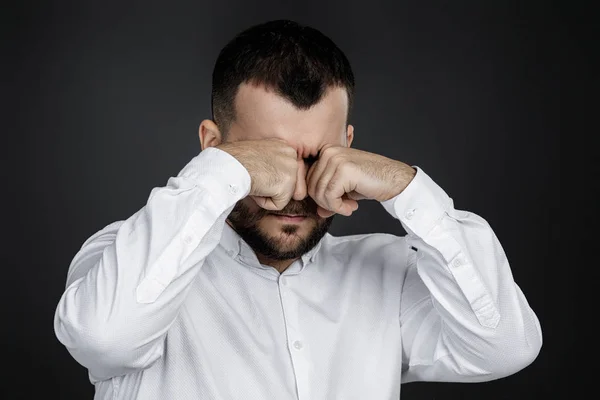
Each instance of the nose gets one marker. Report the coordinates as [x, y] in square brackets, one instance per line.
[301, 191]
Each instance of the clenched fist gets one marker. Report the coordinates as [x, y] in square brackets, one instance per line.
[273, 166]
[336, 181]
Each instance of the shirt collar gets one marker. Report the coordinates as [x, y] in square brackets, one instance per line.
[238, 249]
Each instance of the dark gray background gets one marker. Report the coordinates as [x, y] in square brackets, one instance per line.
[104, 103]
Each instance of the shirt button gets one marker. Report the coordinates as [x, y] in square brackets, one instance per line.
[233, 189]
[284, 281]
[410, 213]
[457, 262]
[188, 239]
[298, 345]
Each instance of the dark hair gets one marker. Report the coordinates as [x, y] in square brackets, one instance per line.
[298, 62]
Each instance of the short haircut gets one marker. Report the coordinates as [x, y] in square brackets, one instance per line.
[299, 63]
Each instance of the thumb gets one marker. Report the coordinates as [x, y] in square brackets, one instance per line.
[264, 202]
[271, 203]
[280, 201]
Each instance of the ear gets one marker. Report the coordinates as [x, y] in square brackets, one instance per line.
[349, 135]
[209, 134]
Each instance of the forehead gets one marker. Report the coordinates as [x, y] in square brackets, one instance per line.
[261, 114]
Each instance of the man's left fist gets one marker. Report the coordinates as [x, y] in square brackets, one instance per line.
[343, 175]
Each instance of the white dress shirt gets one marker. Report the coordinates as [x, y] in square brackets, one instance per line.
[172, 304]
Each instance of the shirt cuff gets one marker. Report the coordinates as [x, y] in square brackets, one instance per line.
[219, 173]
[420, 206]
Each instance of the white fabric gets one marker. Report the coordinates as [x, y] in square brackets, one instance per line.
[171, 304]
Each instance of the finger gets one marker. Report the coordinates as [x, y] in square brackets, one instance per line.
[300, 190]
[324, 213]
[344, 205]
[274, 203]
[287, 186]
[310, 177]
[264, 202]
[331, 192]
[314, 174]
[280, 200]
[350, 201]
[340, 188]
[323, 183]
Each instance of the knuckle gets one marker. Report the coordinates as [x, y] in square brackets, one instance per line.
[292, 163]
[287, 150]
[288, 181]
[346, 167]
[290, 150]
[328, 151]
[338, 158]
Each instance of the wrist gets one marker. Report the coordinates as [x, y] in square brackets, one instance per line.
[402, 178]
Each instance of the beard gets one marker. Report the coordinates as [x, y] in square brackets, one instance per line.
[245, 223]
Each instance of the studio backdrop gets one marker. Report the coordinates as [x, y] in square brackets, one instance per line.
[108, 97]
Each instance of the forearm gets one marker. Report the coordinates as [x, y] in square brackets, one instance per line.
[128, 281]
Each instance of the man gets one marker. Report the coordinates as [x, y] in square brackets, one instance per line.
[226, 284]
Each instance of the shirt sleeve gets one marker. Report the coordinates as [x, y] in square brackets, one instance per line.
[127, 282]
[463, 318]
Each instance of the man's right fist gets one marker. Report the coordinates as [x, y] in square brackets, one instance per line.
[274, 168]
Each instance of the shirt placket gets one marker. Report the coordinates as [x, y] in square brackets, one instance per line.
[297, 345]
